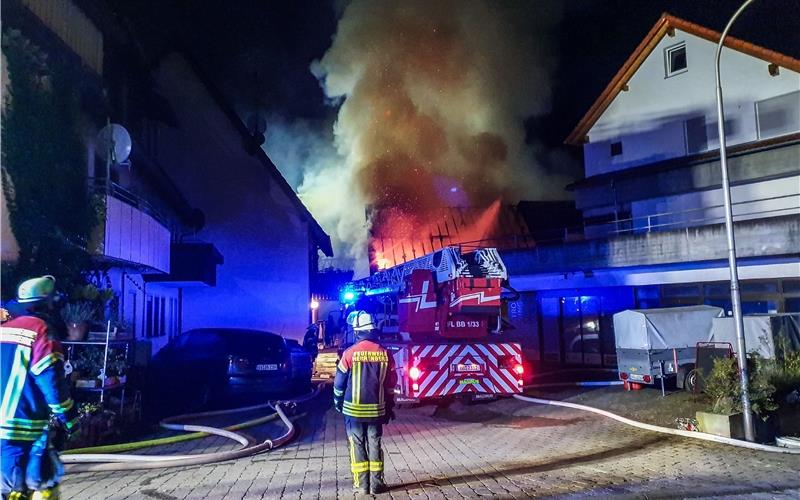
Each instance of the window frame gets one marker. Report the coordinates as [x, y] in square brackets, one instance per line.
[668, 73]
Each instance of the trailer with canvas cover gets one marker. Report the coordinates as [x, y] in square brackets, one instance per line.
[659, 343]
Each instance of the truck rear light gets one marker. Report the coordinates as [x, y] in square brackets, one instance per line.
[519, 369]
[414, 373]
[519, 382]
[647, 379]
[415, 386]
[623, 376]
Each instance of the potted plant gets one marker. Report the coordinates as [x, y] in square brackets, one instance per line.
[88, 363]
[723, 388]
[783, 373]
[77, 316]
[117, 367]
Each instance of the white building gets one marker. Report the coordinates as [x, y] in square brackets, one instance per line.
[651, 197]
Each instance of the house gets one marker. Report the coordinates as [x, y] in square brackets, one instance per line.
[651, 199]
[197, 228]
[269, 240]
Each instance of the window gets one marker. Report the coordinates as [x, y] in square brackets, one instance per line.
[778, 115]
[675, 59]
[616, 148]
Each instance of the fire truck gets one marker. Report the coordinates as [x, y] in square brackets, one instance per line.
[440, 316]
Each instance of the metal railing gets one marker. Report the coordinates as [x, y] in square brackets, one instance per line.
[693, 217]
[98, 186]
[687, 218]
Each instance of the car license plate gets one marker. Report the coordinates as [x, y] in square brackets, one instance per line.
[468, 367]
[264, 368]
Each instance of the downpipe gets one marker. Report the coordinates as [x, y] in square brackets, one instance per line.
[104, 462]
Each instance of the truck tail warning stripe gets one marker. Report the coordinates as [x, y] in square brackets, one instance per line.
[440, 364]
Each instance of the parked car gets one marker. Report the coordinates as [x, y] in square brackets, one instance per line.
[216, 367]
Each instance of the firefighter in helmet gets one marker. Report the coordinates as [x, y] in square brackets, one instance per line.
[364, 392]
[36, 406]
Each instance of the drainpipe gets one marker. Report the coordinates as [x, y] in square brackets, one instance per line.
[726, 193]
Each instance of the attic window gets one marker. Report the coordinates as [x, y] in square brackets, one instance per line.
[616, 148]
[675, 59]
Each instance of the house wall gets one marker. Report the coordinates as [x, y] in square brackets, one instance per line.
[264, 281]
[650, 118]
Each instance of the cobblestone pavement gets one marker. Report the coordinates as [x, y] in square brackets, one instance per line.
[504, 449]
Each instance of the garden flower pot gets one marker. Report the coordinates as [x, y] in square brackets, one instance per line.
[76, 332]
[721, 425]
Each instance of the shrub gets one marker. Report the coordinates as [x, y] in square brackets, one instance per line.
[723, 387]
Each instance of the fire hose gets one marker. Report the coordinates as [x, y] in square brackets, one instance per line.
[79, 461]
[664, 430]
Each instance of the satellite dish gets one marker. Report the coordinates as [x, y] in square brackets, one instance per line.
[114, 139]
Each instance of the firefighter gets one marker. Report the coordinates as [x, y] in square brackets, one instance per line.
[364, 392]
[34, 393]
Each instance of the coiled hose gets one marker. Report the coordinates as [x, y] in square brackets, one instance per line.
[97, 462]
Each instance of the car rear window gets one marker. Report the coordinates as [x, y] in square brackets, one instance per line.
[250, 343]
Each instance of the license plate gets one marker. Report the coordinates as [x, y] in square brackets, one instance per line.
[468, 367]
[264, 368]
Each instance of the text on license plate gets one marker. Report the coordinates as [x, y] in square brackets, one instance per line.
[265, 367]
[468, 367]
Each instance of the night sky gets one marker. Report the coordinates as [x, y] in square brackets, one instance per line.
[259, 52]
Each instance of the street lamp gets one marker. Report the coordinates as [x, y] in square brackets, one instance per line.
[736, 301]
[314, 305]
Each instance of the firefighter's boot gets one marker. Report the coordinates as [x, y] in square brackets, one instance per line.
[46, 494]
[377, 484]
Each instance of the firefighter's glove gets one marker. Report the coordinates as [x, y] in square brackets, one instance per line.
[337, 405]
[58, 436]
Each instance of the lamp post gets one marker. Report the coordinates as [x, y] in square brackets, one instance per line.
[736, 302]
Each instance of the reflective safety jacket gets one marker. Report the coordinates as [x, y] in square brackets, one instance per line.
[365, 381]
[32, 381]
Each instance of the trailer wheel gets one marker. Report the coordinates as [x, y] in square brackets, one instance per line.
[690, 381]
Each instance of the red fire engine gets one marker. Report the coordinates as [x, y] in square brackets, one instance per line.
[440, 315]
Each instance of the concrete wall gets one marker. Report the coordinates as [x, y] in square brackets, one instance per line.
[264, 281]
[650, 118]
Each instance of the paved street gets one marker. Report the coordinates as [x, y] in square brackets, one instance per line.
[504, 449]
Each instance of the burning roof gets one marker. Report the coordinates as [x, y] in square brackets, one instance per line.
[397, 237]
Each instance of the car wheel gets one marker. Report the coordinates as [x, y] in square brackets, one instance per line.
[690, 381]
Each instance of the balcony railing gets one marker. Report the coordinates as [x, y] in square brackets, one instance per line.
[98, 185]
[692, 217]
[656, 222]
[132, 231]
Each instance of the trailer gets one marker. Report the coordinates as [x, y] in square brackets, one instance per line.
[441, 317]
[662, 343]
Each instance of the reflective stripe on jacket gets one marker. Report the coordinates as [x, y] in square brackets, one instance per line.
[32, 381]
[365, 381]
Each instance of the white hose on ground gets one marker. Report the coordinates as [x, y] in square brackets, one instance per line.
[592, 383]
[664, 430]
[575, 370]
[96, 462]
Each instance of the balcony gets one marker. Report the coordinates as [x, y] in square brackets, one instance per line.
[774, 237]
[132, 232]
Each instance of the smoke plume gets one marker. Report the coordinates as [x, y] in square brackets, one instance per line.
[432, 98]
